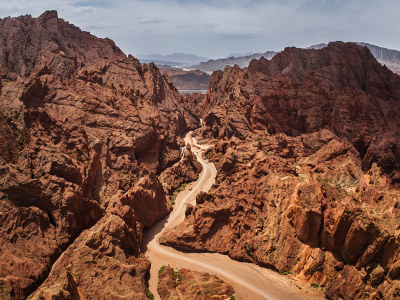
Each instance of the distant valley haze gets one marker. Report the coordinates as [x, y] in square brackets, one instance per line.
[215, 29]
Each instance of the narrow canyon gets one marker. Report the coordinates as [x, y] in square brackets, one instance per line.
[281, 182]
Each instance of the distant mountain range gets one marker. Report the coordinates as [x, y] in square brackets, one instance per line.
[220, 64]
[187, 80]
[240, 54]
[175, 59]
[388, 57]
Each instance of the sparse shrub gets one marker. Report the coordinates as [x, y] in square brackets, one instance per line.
[315, 285]
[232, 297]
[172, 199]
[177, 276]
[161, 269]
[150, 295]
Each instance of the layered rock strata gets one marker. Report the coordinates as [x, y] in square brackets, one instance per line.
[341, 88]
[306, 148]
[185, 171]
[186, 284]
[85, 132]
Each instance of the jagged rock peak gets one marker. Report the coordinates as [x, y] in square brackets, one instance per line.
[26, 38]
[49, 14]
[83, 132]
[341, 87]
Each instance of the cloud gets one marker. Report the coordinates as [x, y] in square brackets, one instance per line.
[215, 28]
[150, 21]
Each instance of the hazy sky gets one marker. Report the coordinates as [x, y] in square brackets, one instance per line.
[220, 27]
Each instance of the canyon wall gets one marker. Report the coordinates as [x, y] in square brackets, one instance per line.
[85, 132]
[307, 153]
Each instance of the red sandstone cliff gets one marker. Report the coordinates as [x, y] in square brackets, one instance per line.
[85, 131]
[307, 153]
[341, 87]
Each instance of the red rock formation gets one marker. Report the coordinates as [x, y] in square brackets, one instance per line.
[194, 104]
[26, 38]
[341, 87]
[307, 166]
[104, 262]
[300, 204]
[186, 284]
[85, 131]
[186, 170]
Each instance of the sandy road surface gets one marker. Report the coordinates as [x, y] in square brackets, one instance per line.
[249, 280]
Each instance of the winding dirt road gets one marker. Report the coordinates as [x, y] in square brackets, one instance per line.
[249, 280]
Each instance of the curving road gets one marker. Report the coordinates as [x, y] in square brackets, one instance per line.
[249, 280]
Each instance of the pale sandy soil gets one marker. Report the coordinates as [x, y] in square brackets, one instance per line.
[249, 280]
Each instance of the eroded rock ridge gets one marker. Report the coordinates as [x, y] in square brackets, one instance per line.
[85, 132]
[307, 153]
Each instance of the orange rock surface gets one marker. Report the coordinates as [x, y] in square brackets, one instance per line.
[306, 145]
[186, 284]
[307, 153]
[85, 131]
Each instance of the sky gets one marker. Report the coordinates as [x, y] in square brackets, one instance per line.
[217, 28]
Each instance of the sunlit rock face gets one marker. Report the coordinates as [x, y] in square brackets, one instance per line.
[85, 131]
[307, 153]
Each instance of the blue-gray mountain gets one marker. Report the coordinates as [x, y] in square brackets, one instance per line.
[388, 57]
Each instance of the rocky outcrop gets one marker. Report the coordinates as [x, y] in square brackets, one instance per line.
[85, 132]
[302, 205]
[341, 87]
[25, 39]
[307, 182]
[186, 170]
[186, 284]
[388, 57]
[104, 262]
[194, 106]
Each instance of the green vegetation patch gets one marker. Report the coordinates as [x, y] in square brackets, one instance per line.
[161, 269]
[286, 273]
[176, 192]
[177, 276]
[150, 295]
